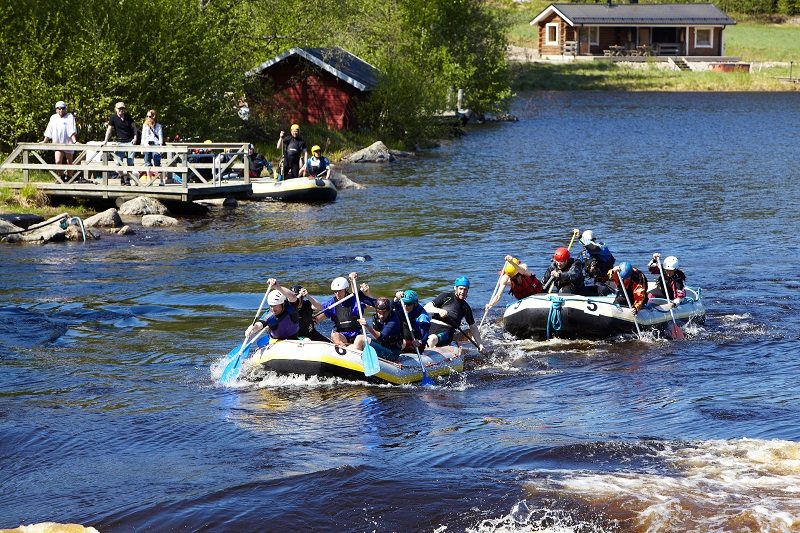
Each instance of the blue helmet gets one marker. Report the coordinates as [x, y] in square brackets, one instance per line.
[461, 281]
[625, 270]
[410, 297]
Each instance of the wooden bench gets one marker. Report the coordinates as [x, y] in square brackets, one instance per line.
[668, 49]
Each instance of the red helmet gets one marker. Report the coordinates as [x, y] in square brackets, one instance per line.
[561, 254]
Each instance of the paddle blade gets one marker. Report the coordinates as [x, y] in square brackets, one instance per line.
[234, 366]
[427, 381]
[370, 361]
[676, 332]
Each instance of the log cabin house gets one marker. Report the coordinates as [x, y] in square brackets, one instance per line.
[615, 30]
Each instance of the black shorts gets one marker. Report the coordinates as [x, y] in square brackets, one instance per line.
[444, 333]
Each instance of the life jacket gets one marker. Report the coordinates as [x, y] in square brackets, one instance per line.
[306, 314]
[344, 319]
[528, 286]
[675, 285]
[636, 287]
[420, 321]
[395, 339]
[285, 324]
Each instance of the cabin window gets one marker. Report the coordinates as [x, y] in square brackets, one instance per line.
[551, 33]
[703, 38]
[594, 34]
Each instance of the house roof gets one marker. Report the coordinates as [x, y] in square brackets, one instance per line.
[337, 61]
[610, 14]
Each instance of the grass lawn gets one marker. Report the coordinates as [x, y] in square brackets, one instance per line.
[607, 76]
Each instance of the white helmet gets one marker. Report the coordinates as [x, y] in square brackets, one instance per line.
[587, 237]
[671, 263]
[339, 284]
[275, 297]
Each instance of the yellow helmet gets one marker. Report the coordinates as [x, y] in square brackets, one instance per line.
[208, 141]
[295, 127]
[315, 148]
[509, 267]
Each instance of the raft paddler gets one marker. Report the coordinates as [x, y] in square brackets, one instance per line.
[447, 311]
[282, 319]
[417, 315]
[634, 282]
[597, 261]
[565, 272]
[306, 307]
[345, 313]
[386, 330]
[518, 278]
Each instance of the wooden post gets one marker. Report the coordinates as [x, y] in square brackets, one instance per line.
[25, 162]
[460, 100]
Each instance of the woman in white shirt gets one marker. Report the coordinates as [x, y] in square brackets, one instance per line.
[61, 130]
[152, 135]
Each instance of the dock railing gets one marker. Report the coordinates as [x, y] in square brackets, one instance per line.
[207, 163]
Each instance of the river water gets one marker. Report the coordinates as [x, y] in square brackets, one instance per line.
[110, 416]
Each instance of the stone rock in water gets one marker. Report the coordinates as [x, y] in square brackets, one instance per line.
[143, 205]
[107, 219]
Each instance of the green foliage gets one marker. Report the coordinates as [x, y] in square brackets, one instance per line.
[186, 58]
[166, 54]
[760, 42]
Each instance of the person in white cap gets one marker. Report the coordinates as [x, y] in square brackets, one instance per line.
[282, 320]
[597, 261]
[61, 130]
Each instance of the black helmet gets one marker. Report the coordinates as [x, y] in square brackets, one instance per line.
[296, 289]
[383, 304]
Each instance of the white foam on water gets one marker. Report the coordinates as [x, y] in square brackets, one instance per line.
[734, 485]
[523, 519]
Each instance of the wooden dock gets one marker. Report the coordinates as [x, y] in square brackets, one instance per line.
[190, 171]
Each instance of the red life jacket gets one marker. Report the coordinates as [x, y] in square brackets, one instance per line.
[527, 286]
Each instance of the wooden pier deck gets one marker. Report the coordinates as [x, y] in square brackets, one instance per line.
[191, 171]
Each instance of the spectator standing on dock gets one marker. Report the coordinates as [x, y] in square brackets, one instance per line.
[121, 124]
[61, 130]
[317, 165]
[152, 135]
[294, 151]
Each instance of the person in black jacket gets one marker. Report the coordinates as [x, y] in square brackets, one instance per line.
[294, 152]
[565, 272]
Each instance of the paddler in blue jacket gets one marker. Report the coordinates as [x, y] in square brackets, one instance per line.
[386, 330]
[345, 314]
[282, 319]
[597, 261]
[447, 311]
[417, 315]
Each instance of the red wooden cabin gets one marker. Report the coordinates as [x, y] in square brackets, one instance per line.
[317, 85]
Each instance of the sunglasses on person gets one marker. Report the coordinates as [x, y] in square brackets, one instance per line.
[120, 109]
[61, 108]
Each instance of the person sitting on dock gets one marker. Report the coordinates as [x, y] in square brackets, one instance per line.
[447, 311]
[676, 280]
[419, 318]
[597, 261]
[345, 314]
[282, 319]
[520, 281]
[634, 283]
[123, 126]
[317, 166]
[257, 163]
[565, 272]
[61, 129]
[386, 330]
[306, 306]
[294, 152]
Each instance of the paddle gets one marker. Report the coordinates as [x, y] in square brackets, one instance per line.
[491, 298]
[675, 331]
[627, 298]
[425, 379]
[231, 371]
[334, 304]
[575, 233]
[469, 337]
[369, 359]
